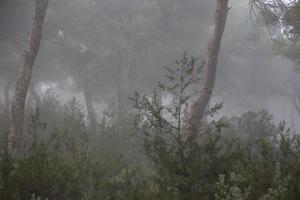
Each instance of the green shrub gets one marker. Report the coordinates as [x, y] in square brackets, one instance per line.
[145, 154]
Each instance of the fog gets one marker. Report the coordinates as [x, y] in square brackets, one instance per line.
[149, 99]
[129, 43]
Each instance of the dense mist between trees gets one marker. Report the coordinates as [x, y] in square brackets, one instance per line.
[149, 99]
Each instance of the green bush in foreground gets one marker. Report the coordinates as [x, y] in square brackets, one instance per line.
[148, 156]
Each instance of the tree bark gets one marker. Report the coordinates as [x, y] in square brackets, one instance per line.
[197, 108]
[91, 111]
[22, 84]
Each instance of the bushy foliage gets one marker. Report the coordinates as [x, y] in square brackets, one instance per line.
[255, 153]
[63, 162]
[145, 154]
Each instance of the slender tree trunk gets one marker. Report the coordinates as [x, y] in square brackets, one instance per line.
[84, 61]
[91, 111]
[296, 101]
[35, 95]
[18, 103]
[197, 108]
[119, 99]
[292, 118]
[6, 95]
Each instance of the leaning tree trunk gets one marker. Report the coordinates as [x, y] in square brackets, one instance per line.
[6, 95]
[91, 111]
[18, 104]
[197, 108]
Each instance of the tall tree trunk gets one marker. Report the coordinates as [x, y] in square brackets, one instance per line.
[296, 100]
[35, 95]
[6, 95]
[91, 111]
[18, 103]
[197, 108]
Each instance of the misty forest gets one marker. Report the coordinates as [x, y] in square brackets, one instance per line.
[149, 99]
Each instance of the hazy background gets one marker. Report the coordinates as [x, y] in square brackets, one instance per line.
[111, 48]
